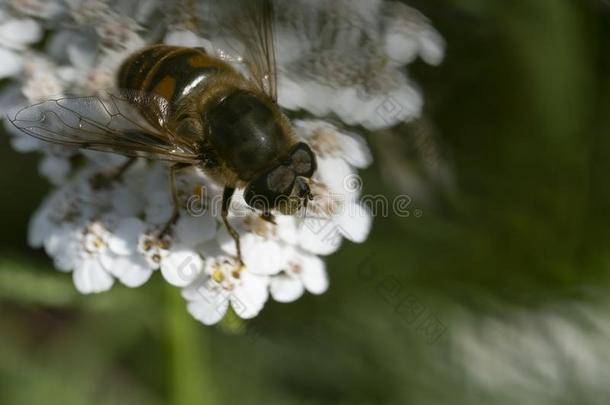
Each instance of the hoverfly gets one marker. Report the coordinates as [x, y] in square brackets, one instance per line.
[187, 107]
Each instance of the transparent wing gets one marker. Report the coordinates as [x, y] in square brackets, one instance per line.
[245, 28]
[329, 40]
[337, 44]
[107, 123]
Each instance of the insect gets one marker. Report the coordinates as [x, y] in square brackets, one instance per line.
[187, 107]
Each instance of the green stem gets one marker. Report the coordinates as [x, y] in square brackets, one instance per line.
[189, 359]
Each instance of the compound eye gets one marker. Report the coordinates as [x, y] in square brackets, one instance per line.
[271, 189]
[303, 160]
[281, 180]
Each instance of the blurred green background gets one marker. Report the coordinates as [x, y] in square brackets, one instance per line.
[510, 258]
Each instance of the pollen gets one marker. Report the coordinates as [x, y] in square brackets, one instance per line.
[237, 272]
[164, 244]
[218, 275]
[296, 268]
[98, 243]
[94, 238]
[258, 226]
[325, 140]
[148, 245]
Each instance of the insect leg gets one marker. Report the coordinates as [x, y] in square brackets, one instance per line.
[105, 179]
[269, 217]
[303, 191]
[120, 172]
[226, 201]
[174, 169]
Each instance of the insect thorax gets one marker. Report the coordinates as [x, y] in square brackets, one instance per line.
[237, 127]
[247, 132]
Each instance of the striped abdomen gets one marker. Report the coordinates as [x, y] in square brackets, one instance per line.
[169, 71]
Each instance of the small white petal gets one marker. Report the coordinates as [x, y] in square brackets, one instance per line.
[211, 249]
[17, 33]
[355, 222]
[104, 160]
[317, 98]
[313, 274]
[54, 168]
[291, 94]
[195, 230]
[205, 305]
[39, 227]
[207, 313]
[347, 104]
[189, 39]
[404, 104]
[59, 43]
[132, 271]
[402, 47]
[11, 63]
[249, 298]
[67, 259]
[160, 207]
[321, 237]
[260, 255]
[81, 54]
[287, 229]
[38, 8]
[58, 239]
[10, 100]
[127, 202]
[124, 240]
[339, 177]
[288, 47]
[355, 151]
[107, 260]
[181, 267]
[24, 143]
[432, 47]
[20, 141]
[89, 277]
[286, 288]
[145, 9]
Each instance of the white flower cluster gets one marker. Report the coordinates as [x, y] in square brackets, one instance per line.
[355, 69]
[106, 219]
